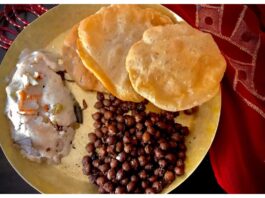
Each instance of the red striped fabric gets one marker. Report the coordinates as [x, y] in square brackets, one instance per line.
[238, 152]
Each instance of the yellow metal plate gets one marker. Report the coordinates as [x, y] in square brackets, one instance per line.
[48, 32]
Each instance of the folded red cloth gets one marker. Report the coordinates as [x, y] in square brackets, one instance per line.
[238, 151]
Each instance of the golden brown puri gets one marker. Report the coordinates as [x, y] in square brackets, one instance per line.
[176, 67]
[74, 66]
[105, 39]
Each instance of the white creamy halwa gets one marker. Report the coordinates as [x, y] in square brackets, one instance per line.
[40, 107]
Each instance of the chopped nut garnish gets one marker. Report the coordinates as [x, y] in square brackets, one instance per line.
[46, 108]
[60, 61]
[57, 108]
[75, 125]
[36, 75]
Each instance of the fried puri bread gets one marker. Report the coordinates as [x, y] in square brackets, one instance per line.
[74, 66]
[105, 39]
[176, 67]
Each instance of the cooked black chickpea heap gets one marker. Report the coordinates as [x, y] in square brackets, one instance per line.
[132, 151]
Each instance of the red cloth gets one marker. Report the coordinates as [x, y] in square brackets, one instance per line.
[238, 151]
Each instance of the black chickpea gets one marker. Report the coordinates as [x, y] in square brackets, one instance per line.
[143, 174]
[108, 187]
[103, 167]
[121, 126]
[87, 169]
[112, 129]
[112, 108]
[148, 149]
[101, 190]
[128, 148]
[140, 107]
[92, 137]
[106, 102]
[164, 146]
[126, 166]
[144, 184]
[139, 126]
[152, 179]
[98, 143]
[162, 163]
[108, 115]
[100, 96]
[102, 152]
[101, 181]
[110, 149]
[131, 186]
[134, 178]
[98, 133]
[98, 105]
[146, 137]
[120, 174]
[111, 174]
[97, 124]
[107, 159]
[182, 155]
[171, 157]
[96, 116]
[120, 190]
[151, 130]
[130, 121]
[149, 191]
[139, 135]
[86, 160]
[124, 181]
[138, 117]
[114, 163]
[104, 129]
[158, 153]
[180, 163]
[157, 186]
[179, 170]
[120, 118]
[142, 160]
[148, 123]
[111, 140]
[126, 140]
[169, 176]
[119, 147]
[90, 147]
[134, 163]
[96, 163]
[159, 172]
[132, 151]
[148, 167]
[161, 125]
[121, 157]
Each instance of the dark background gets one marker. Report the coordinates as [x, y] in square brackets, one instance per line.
[201, 181]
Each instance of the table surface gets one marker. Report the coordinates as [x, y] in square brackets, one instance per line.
[201, 181]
